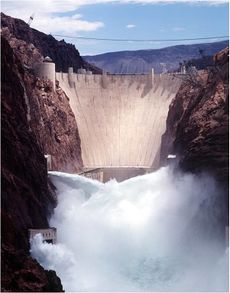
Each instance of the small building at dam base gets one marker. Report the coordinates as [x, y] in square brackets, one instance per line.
[49, 235]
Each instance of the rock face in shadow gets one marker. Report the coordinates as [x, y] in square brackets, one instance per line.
[198, 125]
[20, 273]
[198, 120]
[63, 54]
[27, 199]
[36, 120]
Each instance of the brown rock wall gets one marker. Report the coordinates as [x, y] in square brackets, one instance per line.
[27, 199]
[54, 124]
[198, 123]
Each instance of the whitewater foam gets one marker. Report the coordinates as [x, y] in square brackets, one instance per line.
[154, 232]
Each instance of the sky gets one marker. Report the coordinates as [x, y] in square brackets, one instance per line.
[124, 19]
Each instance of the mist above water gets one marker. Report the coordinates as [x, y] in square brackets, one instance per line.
[156, 232]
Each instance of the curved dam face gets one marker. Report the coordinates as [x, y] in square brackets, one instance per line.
[121, 118]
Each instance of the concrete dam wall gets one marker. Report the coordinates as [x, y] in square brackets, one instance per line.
[121, 118]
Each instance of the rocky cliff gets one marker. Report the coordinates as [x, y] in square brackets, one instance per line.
[54, 125]
[198, 123]
[63, 54]
[27, 199]
[36, 120]
[48, 111]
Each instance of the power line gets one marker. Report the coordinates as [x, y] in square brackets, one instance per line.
[141, 40]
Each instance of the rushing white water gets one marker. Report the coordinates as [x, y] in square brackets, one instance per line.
[155, 232]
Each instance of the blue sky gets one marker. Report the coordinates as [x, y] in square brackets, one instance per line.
[126, 20]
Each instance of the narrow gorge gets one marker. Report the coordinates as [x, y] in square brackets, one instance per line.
[131, 169]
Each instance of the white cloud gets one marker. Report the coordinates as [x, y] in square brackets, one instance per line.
[209, 2]
[50, 15]
[46, 18]
[130, 25]
[53, 6]
[155, 42]
[178, 29]
[66, 25]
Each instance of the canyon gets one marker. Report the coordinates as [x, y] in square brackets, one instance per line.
[124, 125]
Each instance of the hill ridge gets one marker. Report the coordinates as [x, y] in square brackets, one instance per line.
[141, 61]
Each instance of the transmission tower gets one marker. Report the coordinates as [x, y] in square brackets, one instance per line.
[164, 68]
[31, 19]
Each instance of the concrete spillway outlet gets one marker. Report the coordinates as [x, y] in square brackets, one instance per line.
[118, 173]
[120, 118]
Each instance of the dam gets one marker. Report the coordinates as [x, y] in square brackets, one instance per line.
[120, 118]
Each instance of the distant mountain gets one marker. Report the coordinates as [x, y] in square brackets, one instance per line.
[142, 61]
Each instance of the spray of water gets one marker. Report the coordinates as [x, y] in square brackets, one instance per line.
[155, 232]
